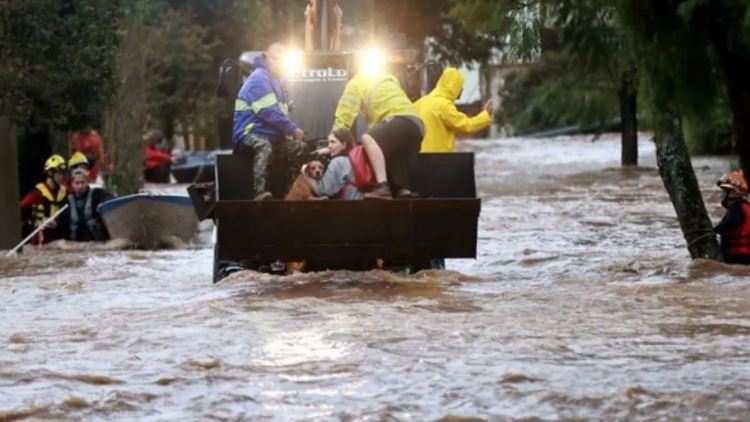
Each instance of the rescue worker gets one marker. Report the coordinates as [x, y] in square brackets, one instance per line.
[158, 160]
[394, 130]
[734, 228]
[262, 127]
[46, 199]
[78, 161]
[89, 142]
[442, 119]
[82, 221]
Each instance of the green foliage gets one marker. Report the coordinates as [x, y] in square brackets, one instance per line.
[188, 40]
[519, 23]
[57, 60]
[681, 71]
[554, 92]
[181, 66]
[575, 54]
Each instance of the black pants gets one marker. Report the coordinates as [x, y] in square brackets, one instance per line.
[400, 139]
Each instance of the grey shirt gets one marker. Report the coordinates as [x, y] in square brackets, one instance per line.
[339, 175]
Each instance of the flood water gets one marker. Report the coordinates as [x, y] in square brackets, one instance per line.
[582, 304]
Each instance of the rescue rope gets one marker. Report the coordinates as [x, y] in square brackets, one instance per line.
[706, 233]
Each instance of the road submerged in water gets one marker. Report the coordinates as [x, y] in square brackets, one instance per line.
[582, 304]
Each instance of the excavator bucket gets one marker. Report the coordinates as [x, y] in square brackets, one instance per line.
[339, 234]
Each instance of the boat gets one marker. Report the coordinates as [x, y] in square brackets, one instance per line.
[150, 221]
[196, 166]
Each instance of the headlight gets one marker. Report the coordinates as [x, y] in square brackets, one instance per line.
[372, 62]
[291, 62]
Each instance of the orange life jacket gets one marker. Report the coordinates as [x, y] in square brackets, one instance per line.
[739, 237]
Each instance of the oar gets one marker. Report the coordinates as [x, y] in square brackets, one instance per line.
[37, 230]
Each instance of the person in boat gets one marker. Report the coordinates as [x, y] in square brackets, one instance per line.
[394, 132]
[82, 221]
[348, 174]
[76, 161]
[89, 143]
[442, 119]
[262, 126]
[158, 160]
[734, 228]
[46, 200]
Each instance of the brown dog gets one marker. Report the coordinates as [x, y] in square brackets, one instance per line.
[300, 190]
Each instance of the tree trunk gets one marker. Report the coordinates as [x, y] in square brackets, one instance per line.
[735, 61]
[125, 118]
[728, 37]
[627, 94]
[10, 215]
[679, 179]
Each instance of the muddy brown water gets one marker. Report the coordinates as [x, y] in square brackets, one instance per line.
[581, 304]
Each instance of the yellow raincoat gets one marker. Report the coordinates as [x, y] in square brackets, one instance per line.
[441, 117]
[377, 97]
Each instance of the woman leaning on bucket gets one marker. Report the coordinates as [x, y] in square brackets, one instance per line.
[348, 174]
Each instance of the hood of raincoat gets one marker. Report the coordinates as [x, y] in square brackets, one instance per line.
[450, 84]
[260, 61]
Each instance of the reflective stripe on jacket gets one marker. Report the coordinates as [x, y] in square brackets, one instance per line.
[52, 203]
[261, 106]
[442, 120]
[376, 97]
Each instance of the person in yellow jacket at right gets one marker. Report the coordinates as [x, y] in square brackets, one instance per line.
[394, 129]
[442, 119]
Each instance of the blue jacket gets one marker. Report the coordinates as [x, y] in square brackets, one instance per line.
[261, 107]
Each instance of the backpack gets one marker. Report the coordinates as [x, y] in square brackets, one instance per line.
[364, 177]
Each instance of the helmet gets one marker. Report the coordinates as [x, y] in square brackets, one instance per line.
[55, 162]
[734, 181]
[77, 159]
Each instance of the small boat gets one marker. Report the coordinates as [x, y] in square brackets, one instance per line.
[150, 221]
[195, 167]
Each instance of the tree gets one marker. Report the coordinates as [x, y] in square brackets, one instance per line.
[56, 67]
[693, 50]
[582, 39]
[553, 92]
[10, 216]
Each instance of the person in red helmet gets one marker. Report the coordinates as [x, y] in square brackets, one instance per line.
[734, 228]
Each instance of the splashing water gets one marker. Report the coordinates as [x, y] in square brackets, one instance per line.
[582, 303]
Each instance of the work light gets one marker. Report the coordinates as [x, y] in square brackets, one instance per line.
[372, 61]
[291, 62]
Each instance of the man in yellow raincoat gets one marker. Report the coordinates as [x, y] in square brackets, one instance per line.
[442, 119]
[394, 130]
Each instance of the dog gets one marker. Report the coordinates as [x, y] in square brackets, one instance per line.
[300, 190]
